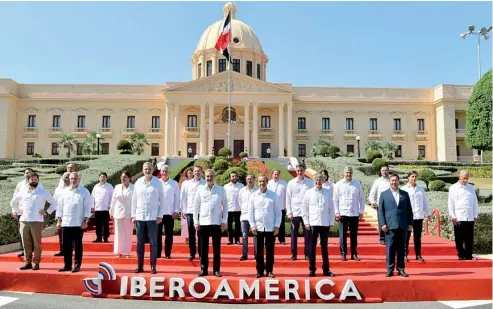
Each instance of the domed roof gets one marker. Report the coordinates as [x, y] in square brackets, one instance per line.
[243, 35]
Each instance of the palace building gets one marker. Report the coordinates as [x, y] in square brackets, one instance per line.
[177, 116]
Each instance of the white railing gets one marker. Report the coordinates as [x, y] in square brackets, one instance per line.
[325, 132]
[129, 130]
[31, 129]
[80, 130]
[154, 130]
[349, 132]
[265, 130]
[192, 129]
[106, 130]
[55, 129]
[460, 131]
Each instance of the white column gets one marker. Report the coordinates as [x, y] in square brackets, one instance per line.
[247, 128]
[177, 129]
[168, 129]
[281, 130]
[290, 129]
[202, 145]
[211, 128]
[255, 131]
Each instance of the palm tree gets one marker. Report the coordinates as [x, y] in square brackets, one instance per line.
[68, 142]
[138, 141]
[388, 149]
[373, 145]
[90, 143]
[317, 147]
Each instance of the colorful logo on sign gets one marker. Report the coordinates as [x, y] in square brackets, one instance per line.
[94, 285]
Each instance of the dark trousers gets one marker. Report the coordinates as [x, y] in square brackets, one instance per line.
[72, 237]
[60, 238]
[282, 229]
[417, 230]
[323, 232]
[102, 224]
[352, 223]
[245, 229]
[295, 227]
[234, 216]
[192, 242]
[464, 238]
[168, 223]
[205, 232]
[267, 239]
[148, 228]
[395, 241]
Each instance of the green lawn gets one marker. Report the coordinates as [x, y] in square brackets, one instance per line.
[272, 165]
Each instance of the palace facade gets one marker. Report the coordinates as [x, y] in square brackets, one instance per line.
[176, 116]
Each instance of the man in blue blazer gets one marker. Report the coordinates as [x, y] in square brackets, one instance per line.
[395, 216]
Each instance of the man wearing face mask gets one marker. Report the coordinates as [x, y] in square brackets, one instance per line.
[29, 204]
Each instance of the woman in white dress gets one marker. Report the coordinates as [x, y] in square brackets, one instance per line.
[120, 212]
[184, 226]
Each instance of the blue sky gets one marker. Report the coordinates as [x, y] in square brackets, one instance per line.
[352, 44]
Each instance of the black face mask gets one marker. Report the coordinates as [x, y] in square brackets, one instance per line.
[33, 185]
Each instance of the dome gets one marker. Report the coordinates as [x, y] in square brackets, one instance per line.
[243, 35]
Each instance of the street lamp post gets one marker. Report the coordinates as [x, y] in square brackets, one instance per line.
[98, 137]
[358, 138]
[482, 33]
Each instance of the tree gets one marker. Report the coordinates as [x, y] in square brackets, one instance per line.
[388, 149]
[373, 145]
[124, 146]
[318, 148]
[68, 142]
[478, 119]
[427, 175]
[138, 141]
[224, 152]
[90, 143]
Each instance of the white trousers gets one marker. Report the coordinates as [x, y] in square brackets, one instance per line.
[184, 228]
[123, 236]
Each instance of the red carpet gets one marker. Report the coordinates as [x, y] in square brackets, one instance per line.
[441, 277]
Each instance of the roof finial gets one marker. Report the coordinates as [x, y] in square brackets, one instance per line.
[229, 7]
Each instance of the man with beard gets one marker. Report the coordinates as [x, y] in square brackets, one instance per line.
[232, 189]
[29, 204]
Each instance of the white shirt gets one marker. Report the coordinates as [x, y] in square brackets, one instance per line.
[188, 191]
[24, 184]
[395, 194]
[279, 188]
[462, 202]
[419, 203]
[243, 199]
[264, 211]
[147, 199]
[211, 206]
[121, 202]
[348, 198]
[101, 194]
[28, 203]
[171, 197]
[318, 207]
[232, 192]
[74, 205]
[294, 195]
[59, 191]
[379, 185]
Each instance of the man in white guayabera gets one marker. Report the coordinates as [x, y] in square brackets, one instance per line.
[278, 186]
[243, 199]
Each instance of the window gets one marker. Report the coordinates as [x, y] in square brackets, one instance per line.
[30, 149]
[106, 122]
[456, 123]
[301, 123]
[373, 124]
[325, 123]
[397, 124]
[301, 150]
[81, 122]
[56, 121]
[131, 122]
[249, 68]
[155, 149]
[422, 151]
[349, 124]
[265, 122]
[31, 121]
[222, 65]
[350, 148]
[421, 124]
[258, 70]
[199, 70]
[105, 148]
[54, 149]
[398, 151]
[192, 121]
[457, 149]
[79, 148]
[209, 68]
[236, 65]
[155, 122]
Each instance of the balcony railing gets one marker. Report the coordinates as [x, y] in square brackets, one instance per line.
[192, 132]
[154, 130]
[31, 130]
[128, 130]
[106, 130]
[302, 132]
[374, 134]
[398, 132]
[421, 135]
[350, 132]
[326, 133]
[55, 130]
[80, 130]
[192, 129]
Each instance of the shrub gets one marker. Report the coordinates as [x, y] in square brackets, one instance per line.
[333, 151]
[480, 172]
[449, 179]
[240, 172]
[372, 154]
[427, 175]
[204, 164]
[60, 169]
[212, 159]
[377, 164]
[220, 165]
[124, 146]
[478, 117]
[224, 152]
[437, 185]
[243, 154]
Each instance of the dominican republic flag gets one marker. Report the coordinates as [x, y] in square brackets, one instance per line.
[224, 38]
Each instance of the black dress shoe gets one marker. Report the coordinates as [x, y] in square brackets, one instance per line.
[271, 275]
[355, 257]
[229, 243]
[461, 258]
[153, 271]
[217, 274]
[312, 273]
[25, 267]
[191, 258]
[283, 242]
[64, 269]
[106, 240]
[343, 257]
[294, 258]
[242, 258]
[382, 242]
[203, 273]
[329, 274]
[139, 270]
[391, 274]
[20, 254]
[238, 242]
[307, 258]
[59, 253]
[406, 259]
[168, 257]
[36, 266]
[472, 258]
[76, 269]
[97, 241]
[258, 275]
[403, 274]
[420, 258]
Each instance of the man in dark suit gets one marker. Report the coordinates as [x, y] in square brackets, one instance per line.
[395, 216]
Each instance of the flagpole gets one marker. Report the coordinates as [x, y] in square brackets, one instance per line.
[229, 81]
